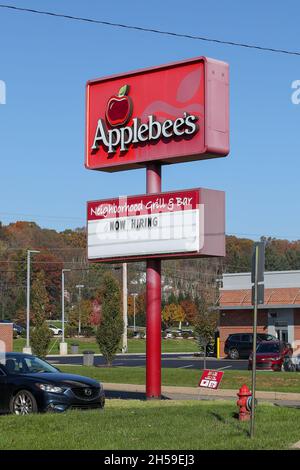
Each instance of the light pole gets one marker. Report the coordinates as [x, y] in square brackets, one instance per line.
[27, 348]
[63, 347]
[125, 318]
[79, 287]
[134, 297]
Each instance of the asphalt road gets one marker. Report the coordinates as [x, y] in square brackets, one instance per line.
[177, 361]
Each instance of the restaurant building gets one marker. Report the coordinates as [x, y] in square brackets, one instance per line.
[279, 315]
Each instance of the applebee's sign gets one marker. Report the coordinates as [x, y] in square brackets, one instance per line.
[172, 113]
[118, 113]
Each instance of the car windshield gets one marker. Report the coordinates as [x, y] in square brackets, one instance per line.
[268, 348]
[27, 365]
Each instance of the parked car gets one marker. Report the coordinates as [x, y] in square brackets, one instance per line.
[295, 360]
[16, 328]
[55, 330]
[272, 355]
[190, 333]
[167, 334]
[240, 345]
[29, 384]
[137, 334]
[173, 333]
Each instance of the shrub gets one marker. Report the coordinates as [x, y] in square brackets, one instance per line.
[23, 334]
[40, 340]
[110, 330]
[70, 331]
[88, 331]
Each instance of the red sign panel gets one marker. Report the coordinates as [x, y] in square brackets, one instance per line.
[147, 204]
[171, 113]
[178, 224]
[211, 379]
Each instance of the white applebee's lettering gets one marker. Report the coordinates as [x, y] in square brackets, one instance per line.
[122, 137]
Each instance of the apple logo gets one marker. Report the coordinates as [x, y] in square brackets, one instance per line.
[119, 108]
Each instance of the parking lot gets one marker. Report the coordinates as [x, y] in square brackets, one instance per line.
[175, 360]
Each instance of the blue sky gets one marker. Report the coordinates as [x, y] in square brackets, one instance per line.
[46, 61]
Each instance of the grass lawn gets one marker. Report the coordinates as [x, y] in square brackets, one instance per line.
[133, 425]
[268, 381]
[134, 345]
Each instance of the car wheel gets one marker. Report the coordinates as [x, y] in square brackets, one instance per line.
[233, 353]
[23, 403]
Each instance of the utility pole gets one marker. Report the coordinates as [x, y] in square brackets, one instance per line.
[79, 287]
[125, 308]
[27, 348]
[257, 278]
[134, 297]
[63, 347]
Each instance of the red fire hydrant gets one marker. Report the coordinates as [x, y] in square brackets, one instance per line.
[244, 411]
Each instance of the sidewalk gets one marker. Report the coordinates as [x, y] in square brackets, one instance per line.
[195, 393]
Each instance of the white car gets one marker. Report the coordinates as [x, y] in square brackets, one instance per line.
[55, 330]
[295, 359]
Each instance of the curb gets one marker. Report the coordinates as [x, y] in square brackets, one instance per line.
[195, 391]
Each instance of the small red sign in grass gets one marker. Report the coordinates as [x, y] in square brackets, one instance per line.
[211, 379]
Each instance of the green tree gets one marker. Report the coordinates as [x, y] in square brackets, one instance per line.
[110, 330]
[41, 335]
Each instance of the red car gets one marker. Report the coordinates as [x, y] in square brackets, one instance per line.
[271, 355]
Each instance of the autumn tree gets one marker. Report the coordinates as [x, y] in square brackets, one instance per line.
[81, 312]
[51, 265]
[190, 310]
[41, 335]
[205, 323]
[110, 330]
[140, 309]
[173, 313]
[95, 316]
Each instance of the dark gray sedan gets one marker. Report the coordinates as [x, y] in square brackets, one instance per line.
[29, 384]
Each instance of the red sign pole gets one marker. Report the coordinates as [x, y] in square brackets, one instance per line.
[153, 296]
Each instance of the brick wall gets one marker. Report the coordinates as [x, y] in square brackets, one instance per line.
[240, 321]
[6, 335]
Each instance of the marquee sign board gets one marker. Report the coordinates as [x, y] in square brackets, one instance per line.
[211, 379]
[172, 113]
[165, 225]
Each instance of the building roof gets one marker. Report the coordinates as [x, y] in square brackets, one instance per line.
[273, 280]
[274, 298]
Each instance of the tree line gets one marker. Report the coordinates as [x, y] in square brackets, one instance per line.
[189, 291]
